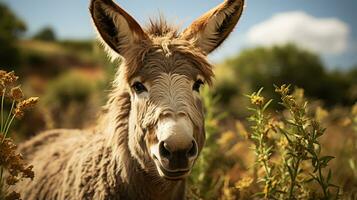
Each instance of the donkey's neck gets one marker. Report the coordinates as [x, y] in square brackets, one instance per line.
[133, 182]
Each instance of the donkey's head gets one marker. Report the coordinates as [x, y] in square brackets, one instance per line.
[163, 72]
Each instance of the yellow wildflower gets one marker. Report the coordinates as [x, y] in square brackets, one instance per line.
[283, 143]
[284, 90]
[262, 158]
[257, 100]
[244, 183]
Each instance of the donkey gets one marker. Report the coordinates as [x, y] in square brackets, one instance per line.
[151, 130]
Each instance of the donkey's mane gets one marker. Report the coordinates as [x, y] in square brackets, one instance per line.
[159, 27]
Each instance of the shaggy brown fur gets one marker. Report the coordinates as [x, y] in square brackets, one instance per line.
[112, 161]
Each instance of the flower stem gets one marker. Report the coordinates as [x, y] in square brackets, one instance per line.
[293, 178]
[8, 117]
[2, 110]
[8, 126]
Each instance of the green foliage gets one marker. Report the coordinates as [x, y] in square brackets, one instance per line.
[11, 27]
[203, 184]
[45, 34]
[263, 67]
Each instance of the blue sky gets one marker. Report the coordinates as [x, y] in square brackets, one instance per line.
[329, 26]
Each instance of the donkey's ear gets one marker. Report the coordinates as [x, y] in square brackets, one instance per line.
[115, 26]
[211, 29]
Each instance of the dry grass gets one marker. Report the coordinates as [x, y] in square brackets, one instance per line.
[13, 167]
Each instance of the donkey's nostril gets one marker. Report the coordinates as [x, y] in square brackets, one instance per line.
[192, 151]
[163, 150]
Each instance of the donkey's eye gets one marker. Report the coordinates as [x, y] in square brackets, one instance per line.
[197, 85]
[139, 87]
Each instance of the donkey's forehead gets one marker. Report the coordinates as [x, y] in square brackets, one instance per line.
[173, 64]
[174, 58]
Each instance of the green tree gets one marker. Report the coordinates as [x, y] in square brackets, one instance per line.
[11, 28]
[264, 67]
[45, 34]
[278, 65]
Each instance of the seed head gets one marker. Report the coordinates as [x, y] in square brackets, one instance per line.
[16, 93]
[8, 78]
[28, 172]
[25, 105]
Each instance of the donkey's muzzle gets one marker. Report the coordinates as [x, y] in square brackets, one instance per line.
[176, 162]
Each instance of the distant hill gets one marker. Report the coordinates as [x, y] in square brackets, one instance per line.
[49, 58]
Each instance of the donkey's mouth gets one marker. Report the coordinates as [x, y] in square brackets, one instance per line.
[174, 174]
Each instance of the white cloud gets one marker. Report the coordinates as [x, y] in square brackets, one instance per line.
[323, 35]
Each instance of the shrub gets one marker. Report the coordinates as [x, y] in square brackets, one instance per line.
[69, 101]
[45, 34]
[288, 151]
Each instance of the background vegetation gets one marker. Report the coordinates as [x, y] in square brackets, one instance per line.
[73, 77]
